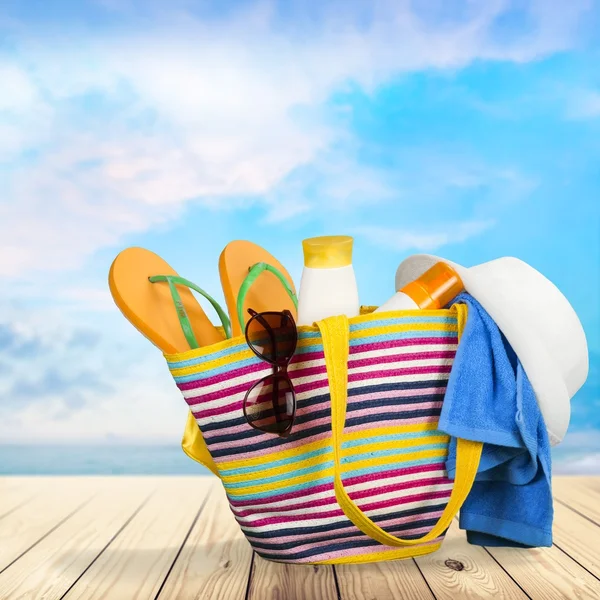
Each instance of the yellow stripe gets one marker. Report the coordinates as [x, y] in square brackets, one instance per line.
[246, 353]
[266, 458]
[393, 430]
[366, 318]
[369, 462]
[375, 447]
[354, 435]
[272, 471]
[381, 556]
[269, 471]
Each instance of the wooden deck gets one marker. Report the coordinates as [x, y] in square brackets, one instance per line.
[173, 537]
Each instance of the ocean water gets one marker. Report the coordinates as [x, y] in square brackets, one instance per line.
[96, 460]
[116, 459]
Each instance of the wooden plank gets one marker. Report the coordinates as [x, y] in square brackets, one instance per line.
[272, 581]
[461, 570]
[559, 481]
[52, 566]
[382, 581]
[215, 560]
[15, 492]
[137, 562]
[547, 573]
[592, 484]
[578, 537]
[579, 495]
[31, 521]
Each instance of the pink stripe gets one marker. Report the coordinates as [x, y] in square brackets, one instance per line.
[386, 523]
[234, 371]
[357, 495]
[242, 388]
[374, 361]
[394, 394]
[360, 550]
[197, 407]
[320, 544]
[398, 343]
[350, 481]
[433, 369]
[338, 511]
[299, 359]
[388, 358]
[374, 346]
[264, 437]
[239, 391]
[433, 419]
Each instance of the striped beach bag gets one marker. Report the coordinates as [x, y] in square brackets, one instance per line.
[361, 477]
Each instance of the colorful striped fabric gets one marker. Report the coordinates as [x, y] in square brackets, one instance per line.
[281, 489]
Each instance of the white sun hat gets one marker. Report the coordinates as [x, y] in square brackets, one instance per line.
[536, 319]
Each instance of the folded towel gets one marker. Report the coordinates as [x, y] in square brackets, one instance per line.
[489, 399]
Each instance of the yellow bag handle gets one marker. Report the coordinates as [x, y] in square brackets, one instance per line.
[335, 332]
[194, 446]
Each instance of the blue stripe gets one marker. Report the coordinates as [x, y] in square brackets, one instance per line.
[275, 463]
[244, 439]
[290, 460]
[329, 480]
[393, 452]
[279, 477]
[304, 350]
[330, 527]
[402, 321]
[219, 370]
[392, 437]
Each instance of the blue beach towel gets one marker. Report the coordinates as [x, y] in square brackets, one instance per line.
[489, 399]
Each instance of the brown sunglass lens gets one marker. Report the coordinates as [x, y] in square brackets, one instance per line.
[270, 404]
[272, 335]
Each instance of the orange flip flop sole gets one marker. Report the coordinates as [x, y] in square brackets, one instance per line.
[266, 293]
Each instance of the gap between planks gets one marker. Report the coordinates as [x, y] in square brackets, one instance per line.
[209, 547]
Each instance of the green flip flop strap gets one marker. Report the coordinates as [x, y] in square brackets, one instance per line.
[186, 326]
[253, 272]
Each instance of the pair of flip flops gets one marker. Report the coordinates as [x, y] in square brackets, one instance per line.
[150, 308]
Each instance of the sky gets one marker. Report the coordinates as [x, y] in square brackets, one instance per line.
[462, 128]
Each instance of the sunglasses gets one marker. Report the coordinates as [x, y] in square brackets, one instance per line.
[270, 403]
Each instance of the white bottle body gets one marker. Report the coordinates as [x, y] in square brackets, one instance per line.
[399, 301]
[327, 292]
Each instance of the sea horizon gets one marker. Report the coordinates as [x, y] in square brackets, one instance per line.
[96, 459]
[104, 458]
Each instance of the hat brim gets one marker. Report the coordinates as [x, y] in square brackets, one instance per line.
[550, 389]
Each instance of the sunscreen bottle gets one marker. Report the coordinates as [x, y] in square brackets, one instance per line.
[328, 285]
[434, 289]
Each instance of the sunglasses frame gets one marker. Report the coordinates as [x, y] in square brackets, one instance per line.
[280, 368]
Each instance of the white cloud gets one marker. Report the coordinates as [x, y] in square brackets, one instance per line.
[187, 109]
[19, 94]
[579, 453]
[424, 240]
[581, 465]
[143, 408]
[64, 379]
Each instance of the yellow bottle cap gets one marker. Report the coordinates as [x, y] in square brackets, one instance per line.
[328, 251]
[438, 286]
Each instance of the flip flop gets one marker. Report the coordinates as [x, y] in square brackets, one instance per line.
[267, 293]
[150, 308]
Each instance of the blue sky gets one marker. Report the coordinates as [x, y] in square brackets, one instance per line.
[471, 130]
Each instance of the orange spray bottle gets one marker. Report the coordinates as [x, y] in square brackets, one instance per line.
[434, 289]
